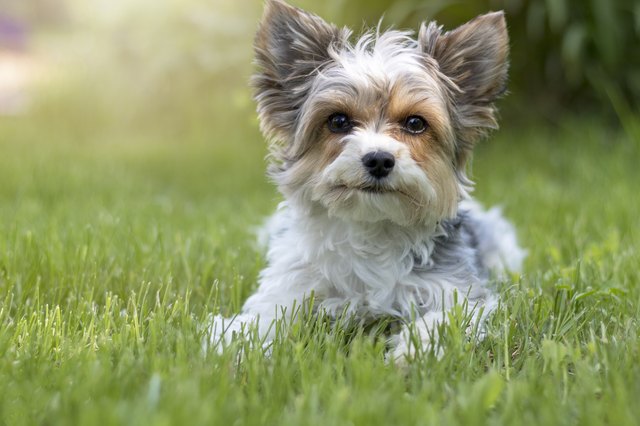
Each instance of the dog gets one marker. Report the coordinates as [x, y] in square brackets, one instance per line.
[370, 140]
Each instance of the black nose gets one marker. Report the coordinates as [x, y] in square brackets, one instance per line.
[379, 163]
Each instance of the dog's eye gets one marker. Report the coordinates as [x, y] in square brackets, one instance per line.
[339, 123]
[415, 124]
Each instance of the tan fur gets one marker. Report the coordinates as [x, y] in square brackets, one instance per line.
[310, 70]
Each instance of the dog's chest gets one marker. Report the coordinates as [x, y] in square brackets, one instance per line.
[365, 269]
[380, 274]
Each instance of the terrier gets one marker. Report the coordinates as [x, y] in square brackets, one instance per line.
[369, 146]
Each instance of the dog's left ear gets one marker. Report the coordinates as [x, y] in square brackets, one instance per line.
[474, 56]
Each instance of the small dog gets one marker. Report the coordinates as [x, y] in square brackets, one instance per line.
[370, 145]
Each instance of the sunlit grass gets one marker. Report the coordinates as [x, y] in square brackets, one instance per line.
[112, 254]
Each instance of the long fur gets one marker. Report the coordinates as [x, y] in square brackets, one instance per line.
[407, 245]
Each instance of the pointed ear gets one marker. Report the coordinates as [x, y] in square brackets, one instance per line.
[290, 47]
[475, 57]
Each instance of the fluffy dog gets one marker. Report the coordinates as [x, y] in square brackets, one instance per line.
[369, 145]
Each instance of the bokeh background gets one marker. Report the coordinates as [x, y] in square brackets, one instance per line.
[183, 65]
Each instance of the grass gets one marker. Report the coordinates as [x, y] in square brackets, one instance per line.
[114, 251]
[127, 216]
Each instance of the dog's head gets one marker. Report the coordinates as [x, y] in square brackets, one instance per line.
[379, 129]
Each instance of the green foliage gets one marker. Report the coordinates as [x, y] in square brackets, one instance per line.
[576, 51]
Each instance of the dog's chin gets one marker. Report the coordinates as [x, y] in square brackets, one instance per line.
[374, 203]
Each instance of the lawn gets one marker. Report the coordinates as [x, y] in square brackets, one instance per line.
[128, 208]
[114, 249]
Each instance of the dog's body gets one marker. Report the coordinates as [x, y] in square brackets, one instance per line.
[370, 146]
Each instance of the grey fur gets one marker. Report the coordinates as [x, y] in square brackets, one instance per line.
[417, 243]
[291, 46]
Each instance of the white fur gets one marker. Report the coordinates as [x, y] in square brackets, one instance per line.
[497, 239]
[358, 244]
[336, 187]
[369, 270]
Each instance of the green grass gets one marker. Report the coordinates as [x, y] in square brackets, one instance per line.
[115, 246]
[128, 204]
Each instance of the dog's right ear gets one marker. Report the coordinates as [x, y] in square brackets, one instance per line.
[290, 47]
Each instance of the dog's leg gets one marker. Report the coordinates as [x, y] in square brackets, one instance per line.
[496, 237]
[221, 330]
[260, 313]
[422, 335]
[419, 336]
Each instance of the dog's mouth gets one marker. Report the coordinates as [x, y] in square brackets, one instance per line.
[371, 189]
[374, 189]
[375, 195]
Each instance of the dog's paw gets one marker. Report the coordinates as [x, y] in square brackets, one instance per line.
[220, 331]
[400, 352]
[406, 351]
[415, 340]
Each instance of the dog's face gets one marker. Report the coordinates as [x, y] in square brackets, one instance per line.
[381, 129]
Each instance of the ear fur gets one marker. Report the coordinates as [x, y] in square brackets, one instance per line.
[474, 57]
[291, 45]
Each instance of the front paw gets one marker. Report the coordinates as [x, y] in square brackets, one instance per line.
[407, 351]
[401, 351]
[415, 340]
[250, 330]
[220, 332]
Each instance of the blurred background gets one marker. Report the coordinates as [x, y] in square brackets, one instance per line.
[176, 66]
